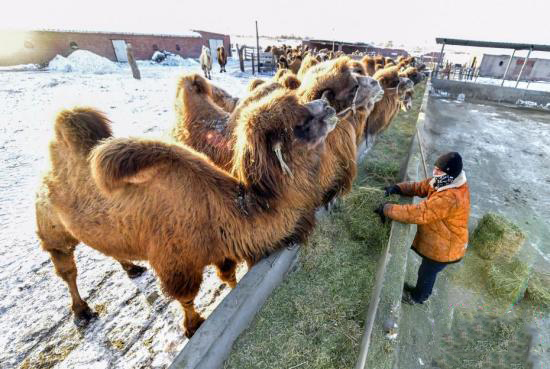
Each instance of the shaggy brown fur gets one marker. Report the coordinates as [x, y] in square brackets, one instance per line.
[290, 81]
[385, 110]
[255, 83]
[142, 203]
[308, 62]
[369, 64]
[338, 166]
[295, 64]
[200, 122]
[222, 58]
[223, 99]
[379, 59]
[413, 74]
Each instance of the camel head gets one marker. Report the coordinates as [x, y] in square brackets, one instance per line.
[336, 82]
[413, 74]
[278, 137]
[206, 50]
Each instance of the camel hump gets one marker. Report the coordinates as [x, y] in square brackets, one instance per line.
[290, 81]
[82, 128]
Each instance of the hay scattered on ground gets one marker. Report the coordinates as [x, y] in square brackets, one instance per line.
[507, 279]
[358, 209]
[538, 289]
[495, 236]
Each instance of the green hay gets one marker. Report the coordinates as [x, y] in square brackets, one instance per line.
[538, 289]
[507, 279]
[358, 209]
[495, 236]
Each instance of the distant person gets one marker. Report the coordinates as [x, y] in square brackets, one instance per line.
[442, 233]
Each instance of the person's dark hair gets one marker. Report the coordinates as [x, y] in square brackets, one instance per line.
[450, 163]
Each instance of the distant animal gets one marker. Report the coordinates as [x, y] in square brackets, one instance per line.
[206, 62]
[222, 58]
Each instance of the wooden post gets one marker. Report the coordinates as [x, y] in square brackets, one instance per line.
[132, 61]
[253, 71]
[240, 53]
[257, 46]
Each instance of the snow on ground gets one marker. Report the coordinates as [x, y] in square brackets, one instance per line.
[83, 61]
[137, 326]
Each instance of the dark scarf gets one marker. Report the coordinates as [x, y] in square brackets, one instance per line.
[442, 181]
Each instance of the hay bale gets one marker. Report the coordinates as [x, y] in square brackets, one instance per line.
[357, 213]
[538, 289]
[495, 236]
[507, 279]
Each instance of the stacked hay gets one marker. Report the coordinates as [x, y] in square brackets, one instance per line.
[507, 279]
[538, 289]
[497, 240]
[496, 237]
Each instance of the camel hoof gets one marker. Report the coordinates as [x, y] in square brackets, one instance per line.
[136, 271]
[84, 317]
[190, 331]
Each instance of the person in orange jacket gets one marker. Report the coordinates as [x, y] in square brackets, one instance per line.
[442, 233]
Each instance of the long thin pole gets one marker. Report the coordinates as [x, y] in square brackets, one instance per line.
[439, 60]
[507, 68]
[523, 66]
[258, 46]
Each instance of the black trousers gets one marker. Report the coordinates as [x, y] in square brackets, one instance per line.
[427, 274]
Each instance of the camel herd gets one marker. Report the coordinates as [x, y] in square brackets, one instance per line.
[240, 178]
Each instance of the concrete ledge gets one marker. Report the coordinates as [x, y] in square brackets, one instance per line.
[378, 350]
[212, 343]
[498, 94]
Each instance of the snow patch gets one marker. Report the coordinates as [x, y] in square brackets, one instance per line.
[83, 61]
[20, 68]
[529, 104]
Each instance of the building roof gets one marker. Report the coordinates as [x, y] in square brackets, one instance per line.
[344, 43]
[496, 45]
[185, 33]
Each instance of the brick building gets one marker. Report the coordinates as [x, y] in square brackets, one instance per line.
[39, 47]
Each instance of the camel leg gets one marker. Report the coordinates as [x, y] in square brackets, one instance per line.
[65, 267]
[226, 270]
[132, 269]
[182, 282]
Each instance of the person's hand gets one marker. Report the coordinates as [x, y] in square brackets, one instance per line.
[392, 190]
[380, 211]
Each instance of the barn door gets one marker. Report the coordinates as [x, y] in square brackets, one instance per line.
[120, 50]
[214, 44]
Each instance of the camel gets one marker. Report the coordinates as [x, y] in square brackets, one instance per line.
[206, 62]
[136, 199]
[308, 62]
[413, 74]
[395, 89]
[222, 58]
[369, 64]
[346, 91]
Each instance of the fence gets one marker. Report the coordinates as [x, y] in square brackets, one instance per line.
[254, 61]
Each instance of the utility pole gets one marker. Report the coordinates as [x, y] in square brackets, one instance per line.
[258, 46]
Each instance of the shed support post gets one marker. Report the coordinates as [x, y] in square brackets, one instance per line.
[507, 67]
[439, 60]
[523, 66]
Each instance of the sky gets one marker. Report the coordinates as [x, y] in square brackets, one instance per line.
[404, 22]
